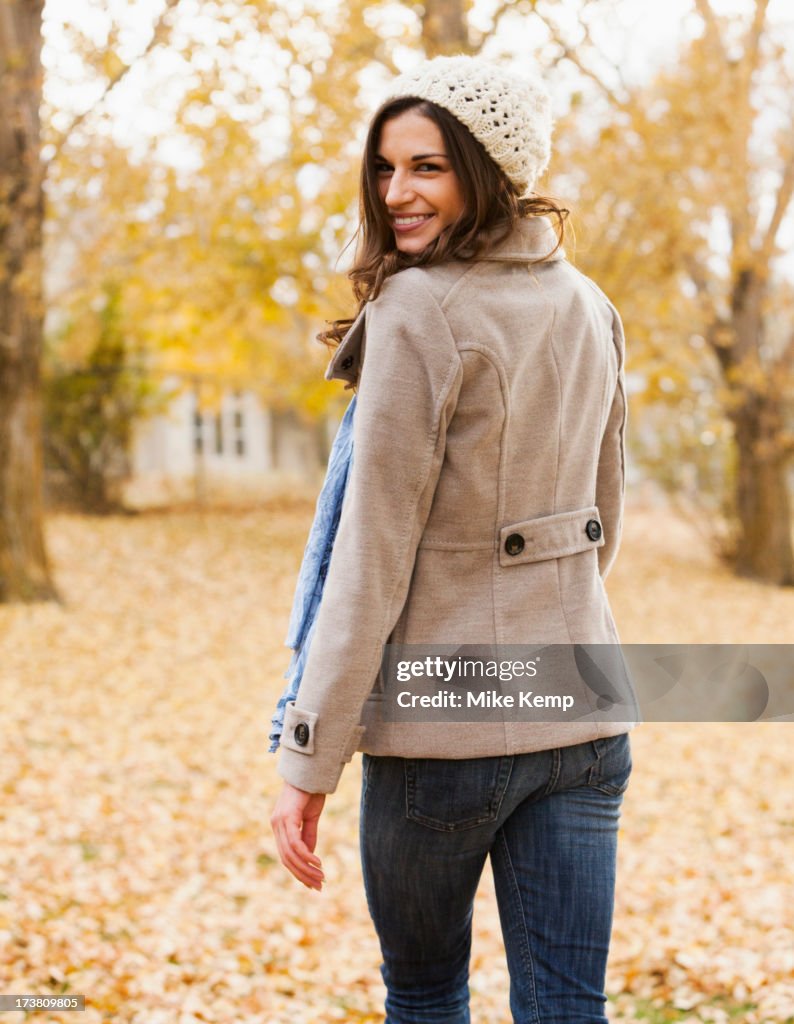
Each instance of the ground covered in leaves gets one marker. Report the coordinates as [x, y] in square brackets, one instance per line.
[136, 861]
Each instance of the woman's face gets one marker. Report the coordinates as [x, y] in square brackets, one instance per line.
[421, 192]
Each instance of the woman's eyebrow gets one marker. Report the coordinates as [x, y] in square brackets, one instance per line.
[419, 156]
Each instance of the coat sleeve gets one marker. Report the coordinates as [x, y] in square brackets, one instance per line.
[611, 476]
[408, 388]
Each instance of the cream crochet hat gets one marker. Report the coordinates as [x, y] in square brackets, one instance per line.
[508, 113]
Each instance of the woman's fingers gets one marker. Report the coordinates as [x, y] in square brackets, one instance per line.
[293, 858]
[294, 822]
[297, 857]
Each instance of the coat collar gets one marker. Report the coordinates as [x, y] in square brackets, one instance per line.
[344, 364]
[532, 239]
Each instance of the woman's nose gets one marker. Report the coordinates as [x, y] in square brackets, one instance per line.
[399, 191]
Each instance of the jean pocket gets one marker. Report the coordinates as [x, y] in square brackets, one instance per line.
[611, 771]
[454, 795]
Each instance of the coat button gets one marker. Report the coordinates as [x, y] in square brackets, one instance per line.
[514, 544]
[301, 734]
[347, 362]
[593, 529]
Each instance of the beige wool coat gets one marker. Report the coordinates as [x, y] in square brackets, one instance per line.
[484, 502]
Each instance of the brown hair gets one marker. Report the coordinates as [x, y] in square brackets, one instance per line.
[492, 208]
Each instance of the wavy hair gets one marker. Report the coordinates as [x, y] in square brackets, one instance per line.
[492, 208]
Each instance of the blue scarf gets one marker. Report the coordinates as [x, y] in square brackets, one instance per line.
[314, 566]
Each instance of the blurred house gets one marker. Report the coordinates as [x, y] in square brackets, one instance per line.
[241, 450]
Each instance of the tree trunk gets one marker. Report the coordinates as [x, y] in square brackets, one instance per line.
[24, 573]
[762, 502]
[764, 549]
[444, 27]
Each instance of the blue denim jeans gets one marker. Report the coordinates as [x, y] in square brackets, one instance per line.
[549, 821]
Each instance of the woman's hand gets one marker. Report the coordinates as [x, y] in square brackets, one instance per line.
[294, 823]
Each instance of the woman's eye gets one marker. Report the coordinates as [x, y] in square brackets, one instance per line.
[428, 167]
[382, 169]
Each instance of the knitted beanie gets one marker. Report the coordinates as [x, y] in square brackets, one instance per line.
[509, 114]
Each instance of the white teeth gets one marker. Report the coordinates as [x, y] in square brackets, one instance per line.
[412, 220]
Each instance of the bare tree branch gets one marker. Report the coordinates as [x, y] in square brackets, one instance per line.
[570, 53]
[158, 34]
[588, 72]
[712, 27]
[589, 39]
[706, 299]
[782, 202]
[754, 35]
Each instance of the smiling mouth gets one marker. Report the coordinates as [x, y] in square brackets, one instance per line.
[411, 220]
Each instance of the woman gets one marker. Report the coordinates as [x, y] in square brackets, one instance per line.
[483, 506]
